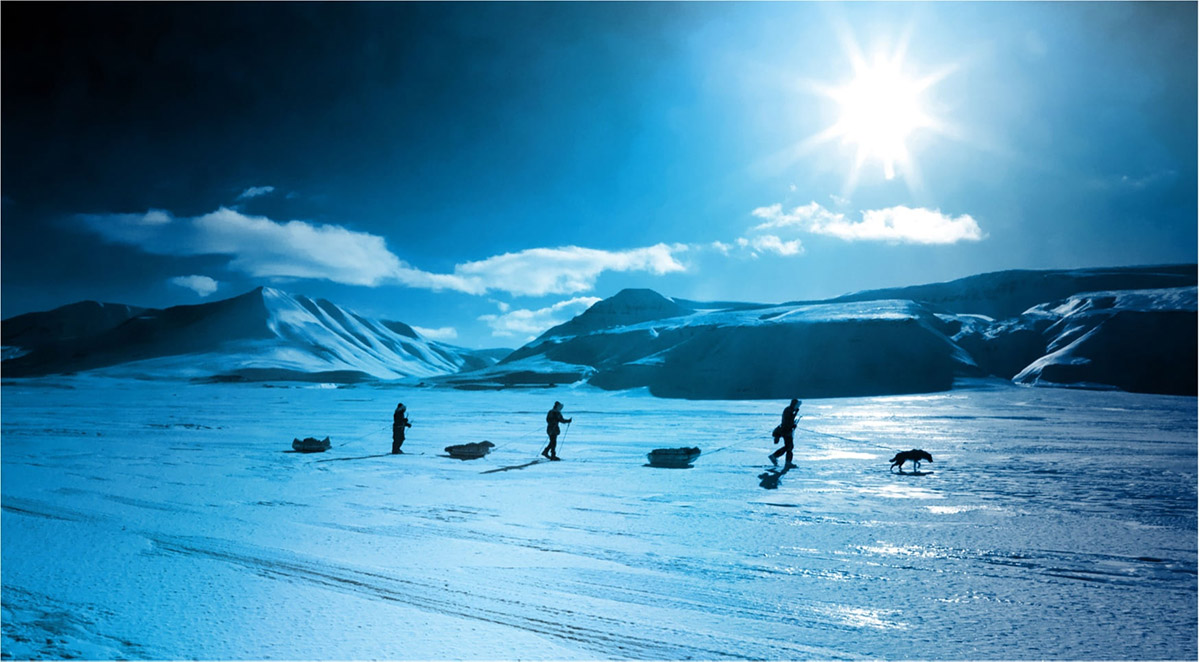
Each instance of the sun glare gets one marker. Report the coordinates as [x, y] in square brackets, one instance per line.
[879, 109]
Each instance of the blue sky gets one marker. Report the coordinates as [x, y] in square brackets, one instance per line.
[487, 170]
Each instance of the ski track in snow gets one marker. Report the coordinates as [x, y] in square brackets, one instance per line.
[150, 520]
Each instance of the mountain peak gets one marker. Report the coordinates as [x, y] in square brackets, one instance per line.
[629, 306]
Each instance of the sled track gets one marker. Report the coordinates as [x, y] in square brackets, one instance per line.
[595, 633]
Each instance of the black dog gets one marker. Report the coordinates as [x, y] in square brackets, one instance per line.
[915, 456]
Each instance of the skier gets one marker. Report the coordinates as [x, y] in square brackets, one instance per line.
[399, 422]
[553, 418]
[784, 431]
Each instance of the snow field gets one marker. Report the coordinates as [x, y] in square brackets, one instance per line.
[165, 520]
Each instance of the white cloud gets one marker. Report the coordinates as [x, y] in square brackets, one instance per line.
[769, 243]
[201, 285]
[722, 247]
[530, 323]
[803, 217]
[155, 217]
[255, 191]
[258, 245]
[904, 225]
[265, 248]
[441, 333]
[565, 270]
[898, 224]
[296, 249]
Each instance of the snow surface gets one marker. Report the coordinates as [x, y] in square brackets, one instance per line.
[168, 520]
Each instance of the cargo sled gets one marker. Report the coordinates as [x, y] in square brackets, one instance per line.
[311, 445]
[470, 451]
[673, 458]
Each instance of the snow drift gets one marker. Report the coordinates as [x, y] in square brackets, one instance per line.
[265, 334]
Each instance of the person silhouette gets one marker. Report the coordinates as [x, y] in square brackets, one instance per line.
[399, 422]
[784, 431]
[553, 418]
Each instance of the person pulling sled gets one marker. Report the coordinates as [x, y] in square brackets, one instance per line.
[785, 431]
[399, 423]
[553, 418]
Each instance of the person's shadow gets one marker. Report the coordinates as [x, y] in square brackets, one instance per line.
[769, 480]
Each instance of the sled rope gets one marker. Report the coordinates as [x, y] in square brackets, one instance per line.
[360, 438]
[838, 436]
[736, 443]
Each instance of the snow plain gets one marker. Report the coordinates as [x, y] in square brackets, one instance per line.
[168, 521]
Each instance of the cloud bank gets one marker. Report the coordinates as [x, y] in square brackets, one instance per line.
[261, 247]
[257, 245]
[898, 224]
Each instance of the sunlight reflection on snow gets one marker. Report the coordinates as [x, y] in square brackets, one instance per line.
[861, 617]
[902, 492]
[888, 549]
[834, 454]
[954, 510]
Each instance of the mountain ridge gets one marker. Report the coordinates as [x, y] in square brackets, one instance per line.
[1136, 333]
[880, 342]
[262, 332]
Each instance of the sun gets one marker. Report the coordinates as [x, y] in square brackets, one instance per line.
[879, 109]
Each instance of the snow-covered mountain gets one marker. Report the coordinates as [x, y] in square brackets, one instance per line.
[1132, 329]
[24, 333]
[1005, 294]
[264, 334]
[1126, 337]
[1134, 340]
